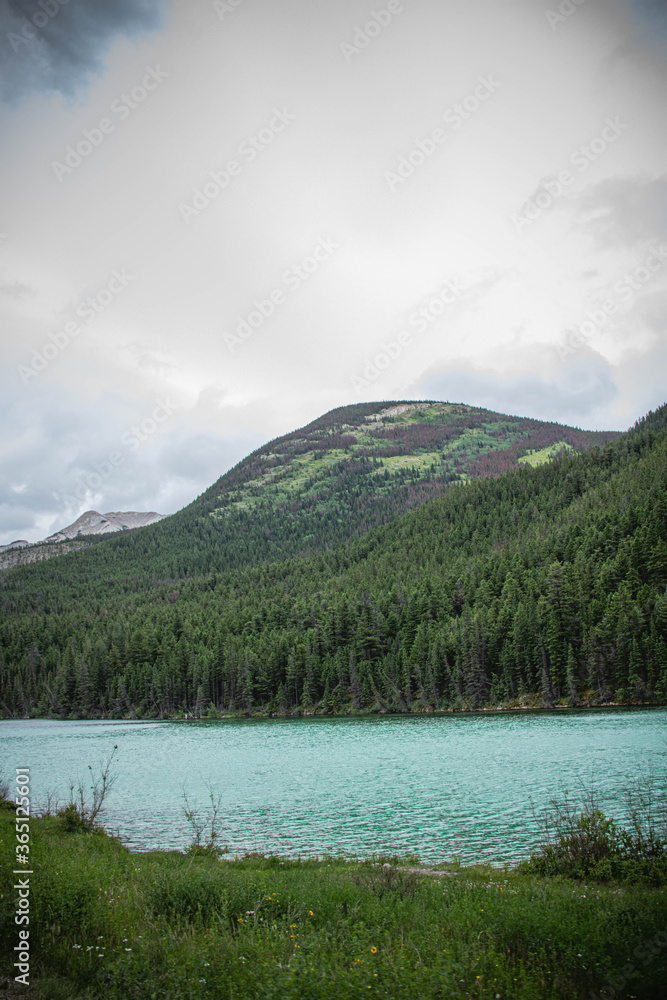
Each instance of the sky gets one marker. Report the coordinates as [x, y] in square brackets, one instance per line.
[219, 219]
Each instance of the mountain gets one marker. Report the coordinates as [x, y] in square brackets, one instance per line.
[91, 523]
[364, 465]
[349, 471]
[312, 578]
[19, 544]
[94, 523]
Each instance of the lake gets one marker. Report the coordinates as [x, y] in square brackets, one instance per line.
[431, 785]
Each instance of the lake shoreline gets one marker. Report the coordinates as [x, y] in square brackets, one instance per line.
[110, 923]
[341, 782]
[351, 714]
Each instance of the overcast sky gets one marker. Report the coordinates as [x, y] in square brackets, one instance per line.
[221, 219]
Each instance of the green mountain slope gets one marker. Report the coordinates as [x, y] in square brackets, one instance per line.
[362, 465]
[544, 585]
[351, 470]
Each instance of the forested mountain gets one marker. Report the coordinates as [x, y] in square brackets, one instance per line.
[352, 469]
[543, 585]
[89, 523]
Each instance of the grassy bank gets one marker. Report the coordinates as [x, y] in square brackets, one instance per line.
[588, 702]
[106, 922]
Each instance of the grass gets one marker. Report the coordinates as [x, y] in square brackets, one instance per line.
[308, 474]
[109, 923]
[579, 841]
[535, 458]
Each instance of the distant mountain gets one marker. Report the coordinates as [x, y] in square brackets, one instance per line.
[20, 544]
[380, 559]
[351, 470]
[88, 525]
[355, 468]
[94, 523]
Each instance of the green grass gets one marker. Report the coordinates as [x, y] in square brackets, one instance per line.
[108, 923]
[535, 458]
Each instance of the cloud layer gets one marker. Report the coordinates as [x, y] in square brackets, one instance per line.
[255, 212]
[55, 46]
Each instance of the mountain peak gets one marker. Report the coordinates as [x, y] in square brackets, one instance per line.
[91, 522]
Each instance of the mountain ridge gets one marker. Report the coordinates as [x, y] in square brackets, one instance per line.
[349, 470]
[90, 524]
[545, 586]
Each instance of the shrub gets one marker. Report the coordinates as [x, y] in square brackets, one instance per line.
[72, 820]
[197, 847]
[81, 813]
[5, 801]
[585, 844]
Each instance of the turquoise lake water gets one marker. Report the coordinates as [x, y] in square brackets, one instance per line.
[434, 786]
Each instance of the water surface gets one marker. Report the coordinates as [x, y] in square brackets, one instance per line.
[425, 784]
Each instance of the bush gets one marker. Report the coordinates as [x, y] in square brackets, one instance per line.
[71, 819]
[587, 845]
[197, 847]
[80, 815]
[5, 801]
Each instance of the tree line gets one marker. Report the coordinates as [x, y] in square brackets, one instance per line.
[542, 586]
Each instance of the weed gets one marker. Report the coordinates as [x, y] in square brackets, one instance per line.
[80, 815]
[106, 924]
[582, 843]
[197, 847]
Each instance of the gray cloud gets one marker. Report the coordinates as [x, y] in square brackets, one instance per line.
[16, 290]
[60, 458]
[50, 47]
[575, 396]
[624, 211]
[654, 10]
[644, 43]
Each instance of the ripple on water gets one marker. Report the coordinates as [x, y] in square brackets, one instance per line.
[432, 785]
